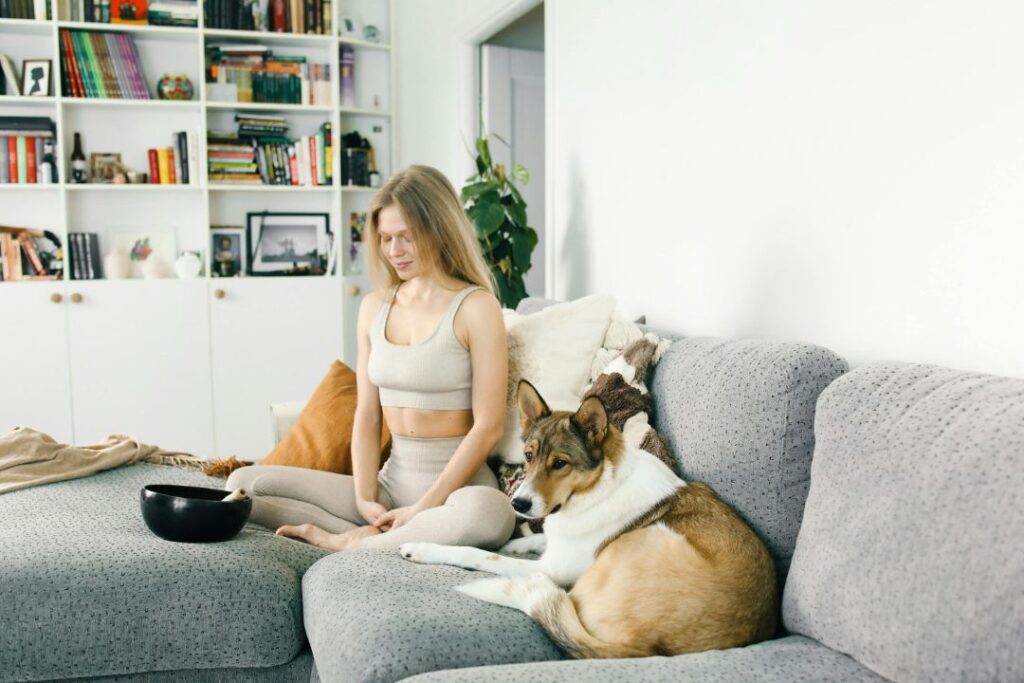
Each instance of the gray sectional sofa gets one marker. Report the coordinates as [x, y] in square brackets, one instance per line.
[900, 547]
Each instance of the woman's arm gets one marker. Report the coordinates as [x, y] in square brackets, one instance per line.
[366, 426]
[488, 350]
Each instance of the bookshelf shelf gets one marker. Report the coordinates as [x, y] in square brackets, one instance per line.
[26, 187]
[223, 187]
[111, 103]
[270, 106]
[271, 37]
[171, 32]
[364, 43]
[357, 188]
[356, 111]
[14, 100]
[26, 27]
[131, 187]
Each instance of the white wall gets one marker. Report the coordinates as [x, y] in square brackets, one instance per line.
[849, 174]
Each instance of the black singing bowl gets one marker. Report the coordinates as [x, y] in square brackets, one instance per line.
[192, 514]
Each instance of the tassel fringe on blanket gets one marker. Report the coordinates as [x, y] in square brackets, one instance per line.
[30, 458]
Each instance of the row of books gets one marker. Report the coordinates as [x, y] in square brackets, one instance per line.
[261, 153]
[101, 64]
[21, 259]
[175, 165]
[24, 9]
[157, 13]
[27, 146]
[282, 16]
[253, 73]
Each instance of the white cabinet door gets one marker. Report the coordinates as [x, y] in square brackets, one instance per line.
[273, 340]
[140, 362]
[34, 388]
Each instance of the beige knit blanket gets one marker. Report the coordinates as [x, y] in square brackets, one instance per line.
[30, 458]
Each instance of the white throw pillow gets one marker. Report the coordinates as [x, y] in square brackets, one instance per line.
[553, 349]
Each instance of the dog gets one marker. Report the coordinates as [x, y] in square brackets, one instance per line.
[656, 565]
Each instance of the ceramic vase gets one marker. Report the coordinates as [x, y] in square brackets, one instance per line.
[117, 265]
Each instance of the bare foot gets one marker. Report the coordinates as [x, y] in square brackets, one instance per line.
[314, 535]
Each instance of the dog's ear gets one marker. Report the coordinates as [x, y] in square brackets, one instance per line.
[592, 419]
[531, 406]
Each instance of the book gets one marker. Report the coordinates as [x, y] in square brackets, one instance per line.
[163, 163]
[13, 86]
[154, 167]
[348, 84]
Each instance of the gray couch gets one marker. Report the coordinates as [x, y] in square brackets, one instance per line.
[900, 548]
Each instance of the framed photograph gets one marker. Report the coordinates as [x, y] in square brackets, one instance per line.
[350, 27]
[103, 166]
[229, 254]
[35, 78]
[151, 250]
[288, 243]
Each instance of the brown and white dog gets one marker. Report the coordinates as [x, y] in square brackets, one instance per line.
[657, 566]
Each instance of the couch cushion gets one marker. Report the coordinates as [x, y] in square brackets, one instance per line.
[87, 590]
[777, 661]
[374, 617]
[739, 416]
[911, 555]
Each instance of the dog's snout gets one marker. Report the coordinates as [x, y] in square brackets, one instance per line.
[521, 504]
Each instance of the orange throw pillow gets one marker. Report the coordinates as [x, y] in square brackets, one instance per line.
[321, 438]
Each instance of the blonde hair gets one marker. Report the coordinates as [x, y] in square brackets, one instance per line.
[444, 237]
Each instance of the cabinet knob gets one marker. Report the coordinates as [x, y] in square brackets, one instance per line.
[218, 293]
[355, 290]
[56, 297]
[76, 298]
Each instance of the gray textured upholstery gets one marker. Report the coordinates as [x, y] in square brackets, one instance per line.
[911, 556]
[299, 670]
[87, 590]
[779, 661]
[374, 617]
[739, 416]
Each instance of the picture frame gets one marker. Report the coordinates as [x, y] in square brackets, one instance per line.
[350, 27]
[293, 243]
[146, 247]
[229, 253]
[35, 78]
[103, 166]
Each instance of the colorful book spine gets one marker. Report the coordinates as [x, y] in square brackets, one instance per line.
[164, 164]
[154, 167]
[22, 159]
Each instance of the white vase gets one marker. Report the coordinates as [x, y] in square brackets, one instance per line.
[187, 266]
[117, 265]
[155, 268]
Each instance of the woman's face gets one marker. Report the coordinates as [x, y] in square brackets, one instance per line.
[396, 243]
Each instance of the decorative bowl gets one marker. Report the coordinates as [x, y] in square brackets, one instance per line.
[175, 87]
[192, 514]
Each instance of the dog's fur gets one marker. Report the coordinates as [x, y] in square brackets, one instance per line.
[657, 566]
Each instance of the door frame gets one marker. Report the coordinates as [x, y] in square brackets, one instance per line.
[476, 31]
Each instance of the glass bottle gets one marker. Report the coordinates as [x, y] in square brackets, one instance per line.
[78, 168]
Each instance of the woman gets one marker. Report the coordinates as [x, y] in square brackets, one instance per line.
[433, 362]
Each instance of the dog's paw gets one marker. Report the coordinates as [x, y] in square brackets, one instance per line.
[527, 545]
[424, 553]
[499, 591]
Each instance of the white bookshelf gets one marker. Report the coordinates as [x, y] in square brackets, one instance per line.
[226, 307]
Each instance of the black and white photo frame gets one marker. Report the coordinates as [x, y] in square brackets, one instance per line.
[292, 243]
[35, 78]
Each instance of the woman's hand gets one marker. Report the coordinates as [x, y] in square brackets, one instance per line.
[392, 519]
[371, 510]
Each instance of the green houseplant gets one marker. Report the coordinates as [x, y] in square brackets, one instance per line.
[498, 212]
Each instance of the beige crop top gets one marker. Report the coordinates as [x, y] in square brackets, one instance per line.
[435, 374]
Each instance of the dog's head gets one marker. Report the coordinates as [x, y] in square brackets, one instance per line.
[565, 452]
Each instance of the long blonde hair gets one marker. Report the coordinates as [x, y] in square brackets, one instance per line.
[440, 228]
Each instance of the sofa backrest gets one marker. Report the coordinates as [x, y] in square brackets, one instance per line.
[739, 416]
[911, 554]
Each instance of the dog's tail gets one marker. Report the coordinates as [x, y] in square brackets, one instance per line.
[557, 615]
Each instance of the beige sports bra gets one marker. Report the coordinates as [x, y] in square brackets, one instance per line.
[435, 374]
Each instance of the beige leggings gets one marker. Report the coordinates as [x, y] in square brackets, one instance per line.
[477, 515]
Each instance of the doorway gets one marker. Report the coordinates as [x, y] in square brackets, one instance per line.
[511, 105]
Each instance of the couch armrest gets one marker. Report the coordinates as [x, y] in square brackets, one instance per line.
[283, 416]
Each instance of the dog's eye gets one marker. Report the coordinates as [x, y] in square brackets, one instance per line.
[558, 464]
[528, 455]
